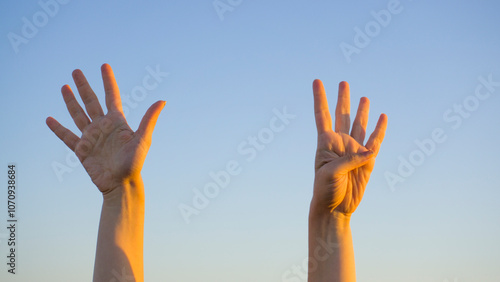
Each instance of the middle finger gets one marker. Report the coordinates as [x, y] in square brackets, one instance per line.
[342, 112]
[88, 96]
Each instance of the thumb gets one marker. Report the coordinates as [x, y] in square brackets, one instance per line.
[148, 121]
[352, 161]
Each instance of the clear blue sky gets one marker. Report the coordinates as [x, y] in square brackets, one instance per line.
[429, 215]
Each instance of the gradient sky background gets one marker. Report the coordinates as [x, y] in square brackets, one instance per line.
[226, 75]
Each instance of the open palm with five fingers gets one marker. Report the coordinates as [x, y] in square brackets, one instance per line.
[110, 151]
[343, 164]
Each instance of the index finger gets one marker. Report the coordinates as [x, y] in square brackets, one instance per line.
[113, 100]
[321, 111]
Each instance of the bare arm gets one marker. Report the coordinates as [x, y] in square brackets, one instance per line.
[113, 156]
[119, 253]
[342, 170]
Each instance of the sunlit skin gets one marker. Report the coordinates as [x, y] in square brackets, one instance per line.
[342, 169]
[113, 156]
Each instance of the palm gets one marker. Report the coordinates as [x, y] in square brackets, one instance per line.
[342, 170]
[108, 149]
[110, 155]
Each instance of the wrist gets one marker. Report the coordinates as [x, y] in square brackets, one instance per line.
[129, 190]
[321, 208]
[332, 219]
[327, 222]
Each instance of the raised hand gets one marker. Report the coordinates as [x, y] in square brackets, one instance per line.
[343, 164]
[109, 150]
[113, 155]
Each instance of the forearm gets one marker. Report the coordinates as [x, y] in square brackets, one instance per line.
[119, 253]
[331, 253]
